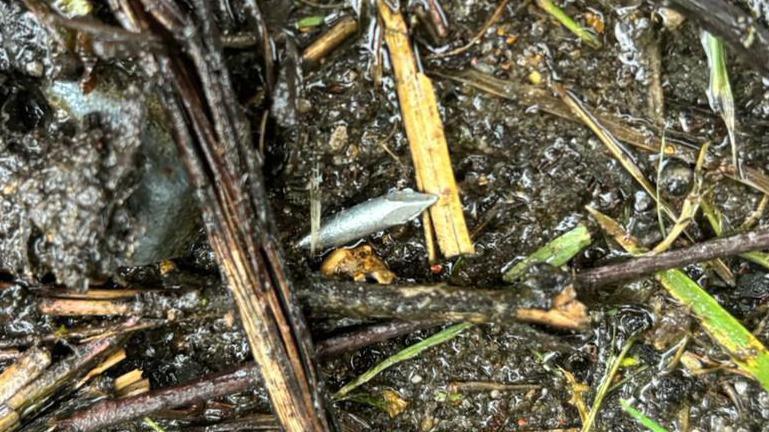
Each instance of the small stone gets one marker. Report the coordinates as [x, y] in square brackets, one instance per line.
[642, 201]
[741, 387]
[671, 19]
[303, 106]
[338, 139]
[34, 68]
[535, 77]
[676, 179]
[416, 379]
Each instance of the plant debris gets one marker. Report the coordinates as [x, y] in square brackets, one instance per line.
[216, 213]
[359, 264]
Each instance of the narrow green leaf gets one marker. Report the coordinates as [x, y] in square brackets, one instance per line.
[720, 91]
[612, 368]
[744, 348]
[410, 352]
[747, 352]
[153, 425]
[640, 417]
[557, 252]
[574, 27]
[310, 21]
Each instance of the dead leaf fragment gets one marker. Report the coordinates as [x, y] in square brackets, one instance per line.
[359, 263]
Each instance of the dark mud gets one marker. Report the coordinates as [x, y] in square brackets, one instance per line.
[90, 187]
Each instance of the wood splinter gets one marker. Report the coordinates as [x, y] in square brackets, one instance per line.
[429, 148]
[319, 49]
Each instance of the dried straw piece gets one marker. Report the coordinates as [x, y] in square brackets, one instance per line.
[424, 130]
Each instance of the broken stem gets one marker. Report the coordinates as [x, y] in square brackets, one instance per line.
[424, 129]
[405, 354]
[443, 303]
[434, 303]
[26, 368]
[115, 411]
[574, 27]
[319, 49]
[34, 395]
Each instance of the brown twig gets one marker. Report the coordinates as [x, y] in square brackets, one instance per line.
[495, 16]
[320, 48]
[112, 412]
[83, 334]
[368, 335]
[98, 294]
[324, 298]
[443, 303]
[647, 265]
[483, 386]
[144, 303]
[82, 307]
[26, 368]
[115, 411]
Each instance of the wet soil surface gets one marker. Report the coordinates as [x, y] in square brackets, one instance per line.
[76, 179]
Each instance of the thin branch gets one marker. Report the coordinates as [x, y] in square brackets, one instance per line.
[495, 16]
[115, 411]
[368, 335]
[647, 265]
[444, 303]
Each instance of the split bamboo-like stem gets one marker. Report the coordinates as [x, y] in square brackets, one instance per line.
[424, 129]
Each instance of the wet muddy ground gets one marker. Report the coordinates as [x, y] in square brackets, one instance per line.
[70, 212]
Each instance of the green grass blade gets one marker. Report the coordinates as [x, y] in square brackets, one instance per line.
[410, 352]
[310, 21]
[557, 252]
[603, 387]
[641, 418]
[720, 91]
[747, 352]
[561, 16]
[714, 217]
[153, 425]
[744, 348]
[759, 258]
